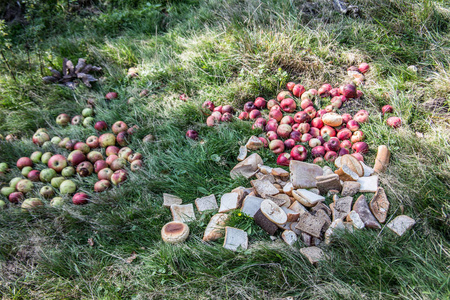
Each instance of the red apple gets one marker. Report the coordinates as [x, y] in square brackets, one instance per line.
[83, 147]
[290, 86]
[260, 102]
[70, 145]
[271, 125]
[311, 111]
[119, 126]
[192, 134]
[318, 160]
[24, 162]
[346, 118]
[349, 91]
[227, 109]
[227, 117]
[363, 68]
[296, 135]
[63, 119]
[314, 132]
[358, 136]
[33, 175]
[289, 144]
[334, 92]
[243, 115]
[118, 177]
[111, 150]
[100, 165]
[16, 197]
[80, 198]
[102, 185]
[271, 135]
[118, 164]
[288, 105]
[101, 126]
[277, 146]
[259, 123]
[329, 108]
[284, 130]
[327, 130]
[360, 147]
[333, 144]
[359, 94]
[76, 157]
[352, 125]
[298, 90]
[318, 151]
[394, 122]
[264, 141]
[314, 142]
[39, 138]
[208, 105]
[254, 114]
[344, 134]
[85, 169]
[249, 106]
[299, 152]
[343, 151]
[306, 137]
[304, 127]
[111, 158]
[320, 113]
[218, 109]
[283, 95]
[287, 120]
[387, 109]
[307, 96]
[77, 120]
[276, 114]
[217, 115]
[330, 156]
[306, 103]
[92, 141]
[271, 103]
[301, 117]
[358, 156]
[125, 152]
[324, 90]
[283, 159]
[136, 165]
[111, 96]
[212, 121]
[105, 173]
[361, 117]
[57, 162]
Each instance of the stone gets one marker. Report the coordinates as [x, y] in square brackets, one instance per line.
[368, 184]
[235, 238]
[289, 237]
[254, 143]
[362, 208]
[350, 188]
[264, 188]
[303, 175]
[307, 198]
[183, 213]
[327, 183]
[242, 153]
[355, 219]
[246, 168]
[229, 201]
[379, 205]
[342, 207]
[206, 203]
[171, 199]
[401, 224]
[313, 254]
[214, 229]
[310, 224]
[267, 225]
[251, 205]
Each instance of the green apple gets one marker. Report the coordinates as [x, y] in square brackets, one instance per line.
[87, 112]
[89, 121]
[7, 190]
[3, 167]
[26, 170]
[14, 181]
[47, 175]
[57, 202]
[68, 171]
[24, 186]
[67, 187]
[63, 142]
[36, 156]
[46, 157]
[2, 204]
[47, 191]
[56, 181]
[55, 140]
[47, 145]
[31, 203]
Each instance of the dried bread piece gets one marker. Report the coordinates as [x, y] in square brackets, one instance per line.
[267, 225]
[266, 170]
[346, 174]
[289, 237]
[174, 232]
[292, 216]
[264, 188]
[242, 153]
[214, 229]
[382, 159]
[310, 224]
[307, 198]
[206, 203]
[401, 224]
[251, 205]
[247, 168]
[235, 238]
[273, 212]
[254, 143]
[362, 208]
[183, 213]
[280, 200]
[303, 175]
[314, 254]
[171, 199]
[379, 205]
[229, 201]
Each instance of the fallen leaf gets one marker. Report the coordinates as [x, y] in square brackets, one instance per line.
[131, 258]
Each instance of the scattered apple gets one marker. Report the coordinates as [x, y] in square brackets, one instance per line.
[102, 185]
[118, 177]
[101, 126]
[394, 122]
[284, 159]
[80, 198]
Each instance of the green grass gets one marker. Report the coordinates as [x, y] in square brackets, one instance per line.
[227, 52]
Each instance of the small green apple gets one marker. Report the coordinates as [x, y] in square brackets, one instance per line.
[87, 112]
[67, 187]
[56, 181]
[89, 121]
[24, 186]
[36, 156]
[47, 175]
[2, 204]
[3, 167]
[55, 140]
[7, 190]
[14, 181]
[47, 191]
[68, 171]
[31, 203]
[26, 170]
[46, 157]
[57, 202]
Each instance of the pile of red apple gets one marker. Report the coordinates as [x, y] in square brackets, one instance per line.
[295, 129]
[105, 155]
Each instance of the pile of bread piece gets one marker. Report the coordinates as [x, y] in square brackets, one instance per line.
[294, 202]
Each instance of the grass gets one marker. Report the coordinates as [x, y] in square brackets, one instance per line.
[227, 52]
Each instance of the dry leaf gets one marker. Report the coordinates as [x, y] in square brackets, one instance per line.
[131, 258]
